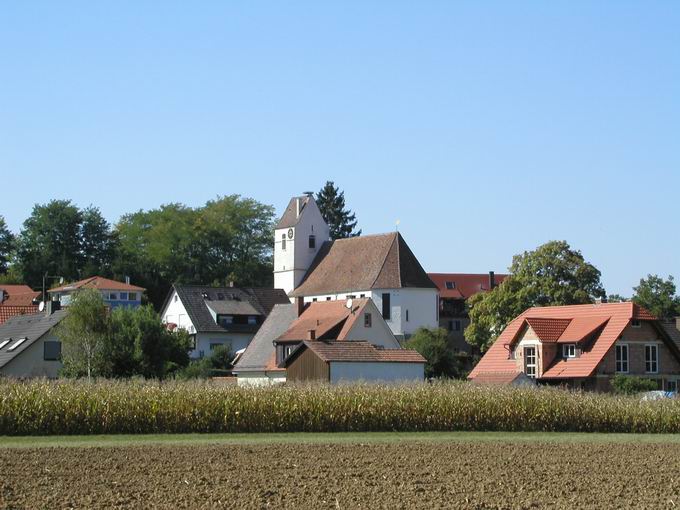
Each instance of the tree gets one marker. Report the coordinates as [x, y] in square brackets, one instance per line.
[60, 239]
[228, 239]
[553, 274]
[616, 298]
[658, 296]
[432, 344]
[331, 202]
[98, 244]
[6, 246]
[83, 333]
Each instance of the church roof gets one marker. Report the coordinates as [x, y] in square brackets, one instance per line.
[382, 261]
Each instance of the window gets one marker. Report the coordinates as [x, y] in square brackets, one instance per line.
[123, 296]
[225, 320]
[362, 295]
[328, 298]
[569, 351]
[635, 323]
[622, 358]
[651, 358]
[132, 296]
[386, 307]
[113, 296]
[314, 300]
[672, 386]
[407, 315]
[312, 242]
[530, 361]
[176, 298]
[368, 320]
[287, 350]
[252, 320]
[214, 346]
[5, 342]
[456, 325]
[16, 344]
[51, 350]
[450, 285]
[351, 296]
[283, 242]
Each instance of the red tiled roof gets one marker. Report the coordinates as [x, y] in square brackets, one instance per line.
[18, 295]
[614, 317]
[548, 330]
[324, 317]
[358, 351]
[8, 311]
[466, 285]
[97, 282]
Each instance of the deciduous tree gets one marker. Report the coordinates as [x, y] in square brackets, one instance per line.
[552, 274]
[658, 296]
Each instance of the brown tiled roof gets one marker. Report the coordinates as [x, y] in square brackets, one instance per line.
[496, 377]
[290, 217]
[357, 351]
[9, 311]
[18, 295]
[98, 282]
[612, 317]
[327, 319]
[465, 285]
[382, 261]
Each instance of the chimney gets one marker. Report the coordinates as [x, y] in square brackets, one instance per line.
[127, 280]
[297, 207]
[311, 334]
[52, 306]
[300, 302]
[492, 280]
[231, 284]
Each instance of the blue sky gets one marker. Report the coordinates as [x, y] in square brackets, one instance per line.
[487, 128]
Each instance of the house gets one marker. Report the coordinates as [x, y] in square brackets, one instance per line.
[584, 346]
[352, 361]
[17, 300]
[215, 316]
[381, 267]
[291, 324]
[454, 290]
[28, 345]
[113, 292]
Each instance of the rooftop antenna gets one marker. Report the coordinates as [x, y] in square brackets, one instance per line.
[397, 224]
[308, 193]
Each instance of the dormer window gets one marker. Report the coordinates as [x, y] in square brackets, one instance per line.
[450, 285]
[569, 351]
[635, 323]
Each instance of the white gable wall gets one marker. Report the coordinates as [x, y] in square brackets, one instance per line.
[31, 361]
[378, 334]
[176, 313]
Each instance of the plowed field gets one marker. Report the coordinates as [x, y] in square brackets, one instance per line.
[393, 475]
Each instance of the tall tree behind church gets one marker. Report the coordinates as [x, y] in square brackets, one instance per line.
[341, 221]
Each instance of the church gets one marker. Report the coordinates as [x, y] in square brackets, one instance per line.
[308, 265]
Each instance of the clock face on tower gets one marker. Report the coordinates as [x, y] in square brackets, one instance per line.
[290, 233]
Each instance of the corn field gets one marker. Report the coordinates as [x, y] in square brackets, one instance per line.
[41, 407]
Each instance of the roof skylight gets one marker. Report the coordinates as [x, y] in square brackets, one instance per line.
[5, 342]
[16, 344]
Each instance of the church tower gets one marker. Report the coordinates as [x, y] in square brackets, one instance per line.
[299, 235]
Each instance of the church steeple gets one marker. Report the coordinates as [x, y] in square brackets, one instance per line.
[299, 235]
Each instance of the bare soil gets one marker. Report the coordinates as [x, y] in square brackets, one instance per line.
[409, 475]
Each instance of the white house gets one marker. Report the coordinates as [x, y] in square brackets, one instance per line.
[216, 316]
[381, 267]
[288, 326]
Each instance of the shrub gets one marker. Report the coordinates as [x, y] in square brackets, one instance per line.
[628, 385]
[40, 407]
